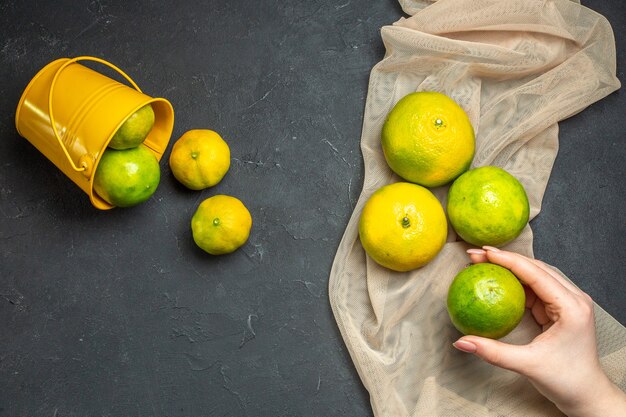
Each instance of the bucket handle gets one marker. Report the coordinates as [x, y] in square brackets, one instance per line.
[84, 164]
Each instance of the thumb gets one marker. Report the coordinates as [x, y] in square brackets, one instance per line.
[504, 355]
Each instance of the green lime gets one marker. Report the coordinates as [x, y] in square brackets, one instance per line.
[486, 300]
[487, 206]
[125, 178]
[134, 130]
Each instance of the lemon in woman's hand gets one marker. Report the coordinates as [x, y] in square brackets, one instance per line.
[134, 130]
[428, 139]
[402, 226]
[127, 177]
[221, 224]
[200, 159]
[486, 300]
[488, 206]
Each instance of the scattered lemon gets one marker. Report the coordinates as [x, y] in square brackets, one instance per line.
[134, 130]
[221, 224]
[488, 206]
[200, 159]
[486, 300]
[127, 177]
[402, 226]
[428, 139]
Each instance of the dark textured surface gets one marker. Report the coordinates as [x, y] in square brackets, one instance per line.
[117, 313]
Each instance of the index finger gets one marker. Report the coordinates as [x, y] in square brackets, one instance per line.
[545, 286]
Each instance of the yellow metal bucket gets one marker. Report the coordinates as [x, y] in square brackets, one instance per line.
[70, 113]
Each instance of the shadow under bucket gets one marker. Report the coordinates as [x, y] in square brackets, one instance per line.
[70, 113]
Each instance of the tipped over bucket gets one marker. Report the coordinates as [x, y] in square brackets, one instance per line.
[70, 113]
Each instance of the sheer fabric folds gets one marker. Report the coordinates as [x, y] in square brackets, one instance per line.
[517, 67]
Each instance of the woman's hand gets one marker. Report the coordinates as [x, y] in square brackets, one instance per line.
[562, 362]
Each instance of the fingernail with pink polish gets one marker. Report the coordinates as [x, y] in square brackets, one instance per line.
[465, 346]
[475, 251]
[491, 249]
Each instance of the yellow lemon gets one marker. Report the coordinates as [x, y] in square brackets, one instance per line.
[488, 206]
[486, 300]
[402, 226]
[428, 139]
[199, 159]
[221, 224]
